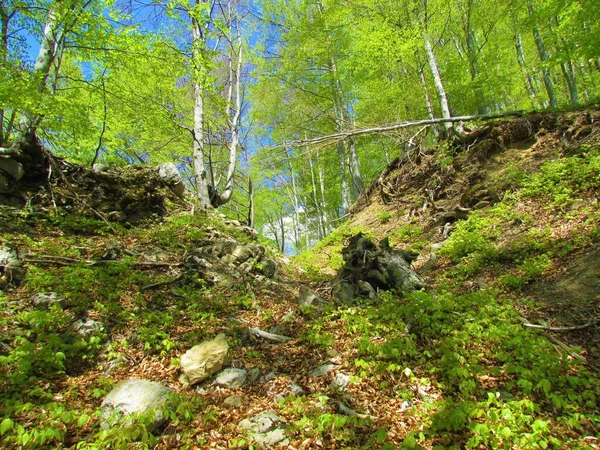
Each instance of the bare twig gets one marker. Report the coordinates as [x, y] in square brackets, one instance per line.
[558, 329]
[277, 338]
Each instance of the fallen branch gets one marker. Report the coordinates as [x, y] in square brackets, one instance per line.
[277, 338]
[558, 329]
[162, 283]
[61, 261]
[342, 135]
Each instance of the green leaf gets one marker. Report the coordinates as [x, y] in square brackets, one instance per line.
[6, 425]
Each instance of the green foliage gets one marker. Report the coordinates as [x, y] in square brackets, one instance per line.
[565, 180]
[385, 216]
[454, 342]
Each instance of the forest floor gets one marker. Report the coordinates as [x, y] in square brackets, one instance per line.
[449, 367]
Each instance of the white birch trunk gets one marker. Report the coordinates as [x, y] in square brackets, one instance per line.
[437, 79]
[200, 173]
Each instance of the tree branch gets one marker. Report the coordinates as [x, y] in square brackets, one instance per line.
[342, 135]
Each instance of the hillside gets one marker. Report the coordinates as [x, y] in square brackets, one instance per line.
[506, 224]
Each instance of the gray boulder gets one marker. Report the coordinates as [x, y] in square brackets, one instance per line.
[11, 171]
[307, 298]
[232, 378]
[205, 359]
[268, 267]
[170, 175]
[44, 300]
[322, 370]
[137, 398]
[340, 381]
[7, 254]
[265, 429]
[87, 327]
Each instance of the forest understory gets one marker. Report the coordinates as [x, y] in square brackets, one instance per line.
[106, 281]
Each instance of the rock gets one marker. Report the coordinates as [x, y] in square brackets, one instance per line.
[340, 381]
[266, 429]
[232, 378]
[296, 389]
[268, 267]
[45, 300]
[205, 359]
[233, 400]
[11, 171]
[270, 376]
[15, 272]
[170, 175]
[136, 397]
[87, 327]
[7, 254]
[366, 290]
[322, 370]
[307, 298]
[100, 168]
[345, 292]
[253, 374]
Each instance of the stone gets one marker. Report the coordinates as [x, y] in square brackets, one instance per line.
[44, 300]
[7, 254]
[171, 176]
[205, 359]
[253, 374]
[15, 272]
[270, 376]
[100, 168]
[232, 378]
[340, 381]
[306, 297]
[366, 290]
[11, 171]
[322, 370]
[268, 267]
[136, 397]
[233, 400]
[87, 327]
[265, 429]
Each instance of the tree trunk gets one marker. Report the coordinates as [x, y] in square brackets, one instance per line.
[539, 42]
[437, 79]
[482, 108]
[200, 173]
[234, 123]
[250, 220]
[428, 102]
[529, 82]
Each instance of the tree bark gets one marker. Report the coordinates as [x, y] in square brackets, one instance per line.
[529, 81]
[472, 49]
[234, 122]
[539, 42]
[200, 173]
[437, 79]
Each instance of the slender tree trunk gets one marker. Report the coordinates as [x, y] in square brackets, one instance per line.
[437, 79]
[341, 120]
[250, 220]
[344, 182]
[428, 102]
[198, 144]
[49, 47]
[320, 227]
[529, 82]
[294, 195]
[482, 108]
[539, 42]
[4, 21]
[234, 123]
